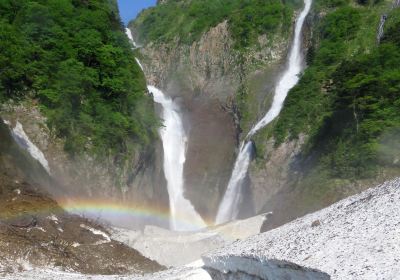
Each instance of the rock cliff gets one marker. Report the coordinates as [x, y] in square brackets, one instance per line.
[212, 78]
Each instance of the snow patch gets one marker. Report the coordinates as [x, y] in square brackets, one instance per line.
[23, 141]
[97, 232]
[37, 228]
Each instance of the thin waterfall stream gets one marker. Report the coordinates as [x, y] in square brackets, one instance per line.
[229, 206]
[183, 215]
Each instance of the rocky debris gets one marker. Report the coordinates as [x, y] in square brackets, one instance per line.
[24, 222]
[316, 223]
[36, 232]
[358, 238]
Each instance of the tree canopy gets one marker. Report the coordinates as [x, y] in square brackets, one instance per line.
[74, 58]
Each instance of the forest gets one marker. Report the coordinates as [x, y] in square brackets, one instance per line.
[73, 58]
[188, 20]
[348, 98]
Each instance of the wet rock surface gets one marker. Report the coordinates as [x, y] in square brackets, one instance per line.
[209, 155]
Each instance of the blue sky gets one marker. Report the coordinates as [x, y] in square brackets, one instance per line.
[130, 8]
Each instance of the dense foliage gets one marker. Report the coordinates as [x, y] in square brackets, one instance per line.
[74, 58]
[187, 20]
[348, 100]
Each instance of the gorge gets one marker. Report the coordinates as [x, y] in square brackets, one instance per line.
[201, 140]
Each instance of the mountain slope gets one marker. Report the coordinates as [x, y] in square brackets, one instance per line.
[219, 78]
[69, 76]
[337, 133]
[343, 112]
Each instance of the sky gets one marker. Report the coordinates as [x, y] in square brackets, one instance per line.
[130, 8]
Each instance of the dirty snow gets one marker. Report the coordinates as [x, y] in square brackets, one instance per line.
[358, 238]
[53, 218]
[23, 140]
[181, 248]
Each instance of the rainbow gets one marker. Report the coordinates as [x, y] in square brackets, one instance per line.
[109, 210]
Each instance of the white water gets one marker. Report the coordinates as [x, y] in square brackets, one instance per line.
[183, 215]
[23, 141]
[174, 143]
[139, 63]
[128, 33]
[228, 209]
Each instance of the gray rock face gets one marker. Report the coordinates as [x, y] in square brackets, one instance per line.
[240, 268]
[276, 172]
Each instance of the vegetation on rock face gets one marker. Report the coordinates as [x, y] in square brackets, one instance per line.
[188, 20]
[348, 100]
[74, 58]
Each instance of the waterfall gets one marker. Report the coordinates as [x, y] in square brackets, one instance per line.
[139, 63]
[174, 143]
[384, 17]
[381, 28]
[183, 215]
[128, 33]
[229, 206]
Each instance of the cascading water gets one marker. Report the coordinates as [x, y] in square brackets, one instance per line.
[381, 28]
[183, 215]
[128, 33]
[229, 207]
[174, 143]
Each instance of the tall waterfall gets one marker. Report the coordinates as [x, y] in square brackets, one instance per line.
[128, 33]
[174, 141]
[183, 215]
[229, 207]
